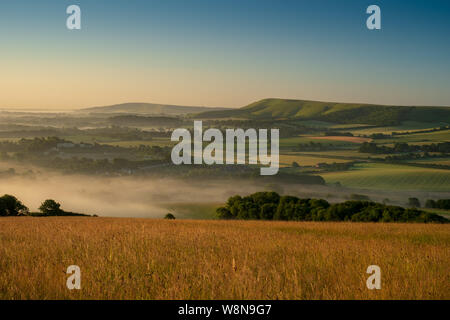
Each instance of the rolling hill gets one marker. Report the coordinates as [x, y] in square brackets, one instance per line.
[348, 113]
[148, 108]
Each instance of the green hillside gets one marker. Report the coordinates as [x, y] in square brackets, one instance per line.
[346, 113]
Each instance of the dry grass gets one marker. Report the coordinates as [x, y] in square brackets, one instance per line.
[160, 259]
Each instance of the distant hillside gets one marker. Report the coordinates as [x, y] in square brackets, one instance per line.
[148, 108]
[351, 113]
[139, 120]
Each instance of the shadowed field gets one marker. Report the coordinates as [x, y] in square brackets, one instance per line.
[160, 259]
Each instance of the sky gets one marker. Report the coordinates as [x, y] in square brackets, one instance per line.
[223, 53]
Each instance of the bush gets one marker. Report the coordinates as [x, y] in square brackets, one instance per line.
[169, 216]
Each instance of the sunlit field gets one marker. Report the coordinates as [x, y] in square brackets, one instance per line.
[380, 176]
[162, 259]
[286, 160]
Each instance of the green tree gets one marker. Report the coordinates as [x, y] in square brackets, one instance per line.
[286, 208]
[169, 216]
[430, 204]
[268, 211]
[443, 204]
[224, 213]
[11, 206]
[414, 202]
[51, 208]
[270, 206]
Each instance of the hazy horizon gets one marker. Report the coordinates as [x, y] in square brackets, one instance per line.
[61, 109]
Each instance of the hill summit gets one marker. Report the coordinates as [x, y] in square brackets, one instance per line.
[148, 108]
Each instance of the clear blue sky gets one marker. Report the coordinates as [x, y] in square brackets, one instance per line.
[223, 52]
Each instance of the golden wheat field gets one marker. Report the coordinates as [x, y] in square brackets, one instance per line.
[186, 259]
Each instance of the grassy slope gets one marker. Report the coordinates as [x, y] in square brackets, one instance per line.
[156, 259]
[333, 112]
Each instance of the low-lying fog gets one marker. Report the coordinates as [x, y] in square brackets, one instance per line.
[145, 197]
[115, 196]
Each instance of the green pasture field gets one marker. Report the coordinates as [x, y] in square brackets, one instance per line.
[88, 139]
[441, 161]
[429, 137]
[380, 176]
[351, 126]
[295, 141]
[162, 142]
[315, 124]
[9, 139]
[442, 212]
[305, 160]
[408, 126]
[351, 154]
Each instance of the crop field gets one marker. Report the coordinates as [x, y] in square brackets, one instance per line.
[9, 139]
[348, 154]
[162, 259]
[343, 138]
[441, 161]
[392, 177]
[315, 123]
[88, 139]
[162, 142]
[295, 141]
[406, 126]
[353, 126]
[305, 160]
[429, 137]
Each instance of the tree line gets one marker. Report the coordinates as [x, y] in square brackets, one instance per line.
[272, 206]
[10, 206]
[438, 204]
